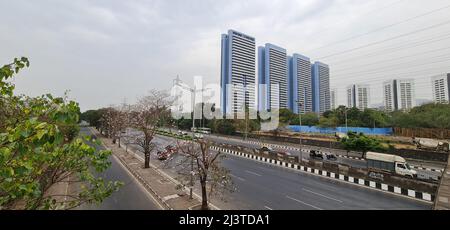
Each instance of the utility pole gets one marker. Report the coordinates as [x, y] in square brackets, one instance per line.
[300, 104]
[193, 91]
[245, 108]
[346, 120]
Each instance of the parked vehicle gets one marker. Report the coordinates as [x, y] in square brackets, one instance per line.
[340, 136]
[389, 163]
[315, 154]
[431, 144]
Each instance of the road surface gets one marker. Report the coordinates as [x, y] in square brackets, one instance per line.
[131, 196]
[261, 186]
[346, 161]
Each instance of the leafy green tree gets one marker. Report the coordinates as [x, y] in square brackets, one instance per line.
[184, 124]
[308, 119]
[425, 116]
[286, 116]
[362, 143]
[330, 122]
[40, 149]
[224, 126]
[93, 117]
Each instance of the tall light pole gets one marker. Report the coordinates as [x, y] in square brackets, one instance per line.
[346, 120]
[193, 91]
[300, 104]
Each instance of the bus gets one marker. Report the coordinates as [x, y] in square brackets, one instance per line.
[201, 130]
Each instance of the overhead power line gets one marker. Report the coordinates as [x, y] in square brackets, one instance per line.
[394, 49]
[425, 72]
[386, 40]
[383, 28]
[395, 59]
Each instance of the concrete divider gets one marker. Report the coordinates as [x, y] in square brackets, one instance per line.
[423, 196]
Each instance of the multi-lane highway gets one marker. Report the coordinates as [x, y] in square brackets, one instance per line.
[131, 196]
[356, 163]
[262, 186]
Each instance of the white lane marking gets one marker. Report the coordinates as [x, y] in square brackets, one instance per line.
[306, 190]
[301, 202]
[268, 208]
[239, 178]
[250, 172]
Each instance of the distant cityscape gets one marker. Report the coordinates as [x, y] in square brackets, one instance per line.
[296, 83]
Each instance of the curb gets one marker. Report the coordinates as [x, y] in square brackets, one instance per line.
[144, 183]
[342, 156]
[171, 179]
[140, 179]
[421, 196]
[412, 194]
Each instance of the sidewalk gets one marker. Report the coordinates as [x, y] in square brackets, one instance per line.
[162, 188]
[443, 194]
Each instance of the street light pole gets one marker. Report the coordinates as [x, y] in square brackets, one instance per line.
[193, 91]
[300, 129]
[346, 120]
[245, 108]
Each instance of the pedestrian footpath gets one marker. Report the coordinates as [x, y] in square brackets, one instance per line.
[159, 186]
[443, 194]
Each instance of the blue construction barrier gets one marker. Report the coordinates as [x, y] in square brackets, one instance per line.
[367, 131]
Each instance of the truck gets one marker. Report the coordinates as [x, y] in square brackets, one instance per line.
[389, 163]
[431, 144]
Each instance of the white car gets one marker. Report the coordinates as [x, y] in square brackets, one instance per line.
[182, 133]
[198, 135]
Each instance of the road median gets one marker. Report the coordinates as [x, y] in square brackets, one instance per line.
[162, 188]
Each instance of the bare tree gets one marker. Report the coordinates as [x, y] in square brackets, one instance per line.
[197, 162]
[114, 121]
[146, 117]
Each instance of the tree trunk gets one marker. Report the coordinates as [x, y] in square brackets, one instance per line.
[147, 160]
[119, 142]
[204, 196]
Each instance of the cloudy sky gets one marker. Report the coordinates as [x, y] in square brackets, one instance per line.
[104, 51]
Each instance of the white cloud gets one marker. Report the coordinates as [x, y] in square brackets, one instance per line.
[120, 49]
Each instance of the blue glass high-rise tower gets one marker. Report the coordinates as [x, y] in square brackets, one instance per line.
[321, 87]
[238, 68]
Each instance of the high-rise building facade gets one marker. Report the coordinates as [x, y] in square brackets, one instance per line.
[358, 96]
[399, 94]
[273, 77]
[333, 98]
[321, 87]
[441, 87]
[300, 84]
[238, 72]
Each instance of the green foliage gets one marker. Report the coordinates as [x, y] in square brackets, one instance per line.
[425, 116]
[93, 117]
[184, 124]
[287, 116]
[362, 143]
[8, 71]
[330, 122]
[308, 119]
[39, 148]
[224, 126]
